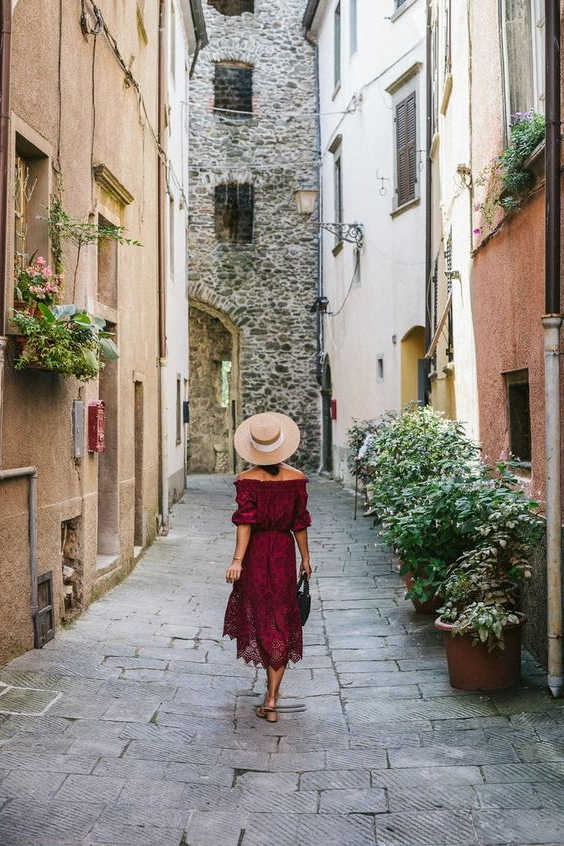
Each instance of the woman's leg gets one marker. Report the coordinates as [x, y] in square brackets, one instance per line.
[274, 679]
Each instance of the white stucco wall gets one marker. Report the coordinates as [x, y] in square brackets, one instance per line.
[390, 298]
[455, 201]
[177, 185]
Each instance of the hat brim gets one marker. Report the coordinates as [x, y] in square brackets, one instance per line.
[244, 445]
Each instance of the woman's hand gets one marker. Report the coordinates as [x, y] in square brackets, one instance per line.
[233, 573]
[306, 568]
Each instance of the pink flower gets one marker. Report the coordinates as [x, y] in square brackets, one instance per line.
[477, 231]
[48, 272]
[40, 260]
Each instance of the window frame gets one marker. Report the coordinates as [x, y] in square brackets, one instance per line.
[537, 18]
[401, 96]
[337, 47]
[236, 242]
[516, 378]
[353, 27]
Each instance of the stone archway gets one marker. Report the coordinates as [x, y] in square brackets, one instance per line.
[213, 390]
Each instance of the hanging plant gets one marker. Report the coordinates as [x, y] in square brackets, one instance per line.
[63, 339]
[36, 283]
[507, 179]
[81, 233]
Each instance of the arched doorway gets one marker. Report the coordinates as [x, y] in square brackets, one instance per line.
[214, 390]
[413, 366]
[327, 423]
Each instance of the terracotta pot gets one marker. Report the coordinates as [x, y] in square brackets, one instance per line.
[429, 607]
[474, 668]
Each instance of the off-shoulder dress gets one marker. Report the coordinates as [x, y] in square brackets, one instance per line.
[262, 612]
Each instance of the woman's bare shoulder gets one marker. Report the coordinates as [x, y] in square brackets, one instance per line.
[251, 473]
[292, 472]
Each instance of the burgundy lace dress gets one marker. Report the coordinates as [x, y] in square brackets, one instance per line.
[262, 611]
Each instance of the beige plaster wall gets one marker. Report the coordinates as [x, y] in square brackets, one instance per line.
[99, 123]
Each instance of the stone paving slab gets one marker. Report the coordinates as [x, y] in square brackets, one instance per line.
[153, 740]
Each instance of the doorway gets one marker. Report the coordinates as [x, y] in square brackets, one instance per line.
[327, 423]
[213, 390]
[108, 498]
[139, 522]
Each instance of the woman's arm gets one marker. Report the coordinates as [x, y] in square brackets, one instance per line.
[302, 541]
[233, 573]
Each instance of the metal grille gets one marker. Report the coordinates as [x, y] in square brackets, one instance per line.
[448, 269]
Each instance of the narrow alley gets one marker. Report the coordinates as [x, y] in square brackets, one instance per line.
[136, 724]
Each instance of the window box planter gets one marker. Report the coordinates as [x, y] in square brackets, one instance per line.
[473, 667]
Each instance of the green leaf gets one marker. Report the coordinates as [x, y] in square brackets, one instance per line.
[46, 313]
[109, 349]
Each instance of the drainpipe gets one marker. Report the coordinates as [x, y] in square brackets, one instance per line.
[161, 191]
[428, 197]
[552, 321]
[5, 51]
[31, 474]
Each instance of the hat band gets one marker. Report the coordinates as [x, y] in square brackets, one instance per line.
[268, 447]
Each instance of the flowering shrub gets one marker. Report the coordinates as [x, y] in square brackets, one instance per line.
[37, 283]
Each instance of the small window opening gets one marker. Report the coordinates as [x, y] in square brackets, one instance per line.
[71, 560]
[107, 283]
[354, 26]
[225, 383]
[233, 88]
[232, 7]
[380, 368]
[178, 410]
[234, 213]
[337, 44]
[519, 415]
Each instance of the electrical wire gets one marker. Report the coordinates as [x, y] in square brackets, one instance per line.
[347, 295]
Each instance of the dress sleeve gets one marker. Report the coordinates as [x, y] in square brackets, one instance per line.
[302, 517]
[246, 513]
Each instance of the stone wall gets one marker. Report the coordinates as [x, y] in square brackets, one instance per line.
[210, 430]
[266, 287]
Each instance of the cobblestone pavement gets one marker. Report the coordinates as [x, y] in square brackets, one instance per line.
[144, 732]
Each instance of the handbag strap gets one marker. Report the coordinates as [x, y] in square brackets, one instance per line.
[304, 583]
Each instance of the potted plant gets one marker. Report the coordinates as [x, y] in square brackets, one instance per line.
[480, 616]
[63, 340]
[411, 459]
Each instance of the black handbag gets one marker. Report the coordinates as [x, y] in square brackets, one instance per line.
[304, 599]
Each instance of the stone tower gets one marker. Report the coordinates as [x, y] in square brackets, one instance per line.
[252, 258]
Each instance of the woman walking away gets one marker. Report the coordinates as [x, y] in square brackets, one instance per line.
[262, 611]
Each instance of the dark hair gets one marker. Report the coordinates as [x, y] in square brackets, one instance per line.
[271, 469]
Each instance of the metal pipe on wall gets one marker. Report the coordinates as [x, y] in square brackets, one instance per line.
[552, 322]
[161, 191]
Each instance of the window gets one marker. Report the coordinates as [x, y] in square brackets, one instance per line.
[233, 87]
[178, 410]
[380, 368]
[107, 267]
[225, 383]
[232, 7]
[406, 150]
[31, 198]
[172, 36]
[435, 78]
[448, 274]
[337, 45]
[519, 414]
[234, 213]
[522, 26]
[357, 279]
[399, 3]
[448, 37]
[171, 222]
[338, 190]
[353, 23]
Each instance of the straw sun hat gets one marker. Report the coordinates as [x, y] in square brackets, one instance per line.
[267, 438]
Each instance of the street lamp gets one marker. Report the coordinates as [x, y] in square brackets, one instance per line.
[305, 198]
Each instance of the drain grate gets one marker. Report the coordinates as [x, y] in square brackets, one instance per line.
[27, 701]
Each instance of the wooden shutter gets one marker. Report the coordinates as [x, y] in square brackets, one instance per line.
[406, 150]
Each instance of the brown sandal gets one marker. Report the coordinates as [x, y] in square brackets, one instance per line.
[266, 713]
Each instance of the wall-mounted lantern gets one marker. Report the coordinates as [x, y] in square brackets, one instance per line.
[306, 197]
